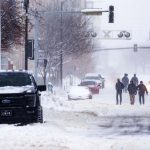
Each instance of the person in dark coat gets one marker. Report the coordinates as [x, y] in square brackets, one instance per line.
[141, 91]
[132, 92]
[135, 80]
[125, 81]
[119, 87]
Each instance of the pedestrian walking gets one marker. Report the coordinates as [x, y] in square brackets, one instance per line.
[132, 92]
[125, 81]
[141, 91]
[50, 87]
[135, 80]
[119, 87]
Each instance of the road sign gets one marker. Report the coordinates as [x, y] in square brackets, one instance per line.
[42, 63]
[135, 47]
[115, 35]
[41, 54]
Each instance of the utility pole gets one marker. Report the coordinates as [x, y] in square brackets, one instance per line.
[61, 42]
[0, 39]
[38, 54]
[36, 45]
[26, 6]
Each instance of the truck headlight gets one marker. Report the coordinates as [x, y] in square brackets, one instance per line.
[29, 91]
[31, 100]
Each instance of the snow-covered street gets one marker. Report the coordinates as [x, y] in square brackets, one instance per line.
[83, 124]
[74, 75]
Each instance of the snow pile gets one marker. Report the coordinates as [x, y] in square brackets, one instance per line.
[53, 101]
[101, 105]
[69, 81]
[15, 89]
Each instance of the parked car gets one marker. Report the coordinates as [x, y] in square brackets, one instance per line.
[102, 79]
[95, 77]
[148, 86]
[20, 98]
[79, 92]
[92, 85]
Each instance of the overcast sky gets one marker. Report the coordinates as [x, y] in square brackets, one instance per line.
[132, 16]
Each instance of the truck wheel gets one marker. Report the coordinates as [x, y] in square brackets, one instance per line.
[39, 115]
[90, 97]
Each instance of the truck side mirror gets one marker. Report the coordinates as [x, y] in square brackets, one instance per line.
[42, 88]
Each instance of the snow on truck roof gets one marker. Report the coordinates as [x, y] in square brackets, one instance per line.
[25, 71]
[92, 74]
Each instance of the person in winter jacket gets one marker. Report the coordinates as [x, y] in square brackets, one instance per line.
[119, 87]
[135, 80]
[141, 91]
[132, 92]
[125, 81]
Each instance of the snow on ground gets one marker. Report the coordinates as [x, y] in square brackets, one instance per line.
[96, 124]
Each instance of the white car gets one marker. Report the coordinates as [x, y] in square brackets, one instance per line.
[95, 77]
[79, 92]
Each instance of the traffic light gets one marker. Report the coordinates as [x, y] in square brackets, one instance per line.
[111, 14]
[126, 35]
[26, 4]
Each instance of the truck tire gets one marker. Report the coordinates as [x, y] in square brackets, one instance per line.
[39, 115]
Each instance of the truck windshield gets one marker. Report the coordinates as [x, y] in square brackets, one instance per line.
[86, 83]
[14, 79]
[93, 78]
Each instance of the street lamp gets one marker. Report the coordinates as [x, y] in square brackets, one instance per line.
[98, 11]
[93, 11]
[26, 6]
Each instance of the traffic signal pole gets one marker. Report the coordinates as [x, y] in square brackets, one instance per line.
[61, 40]
[26, 6]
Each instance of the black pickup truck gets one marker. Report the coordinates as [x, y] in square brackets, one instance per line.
[20, 98]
